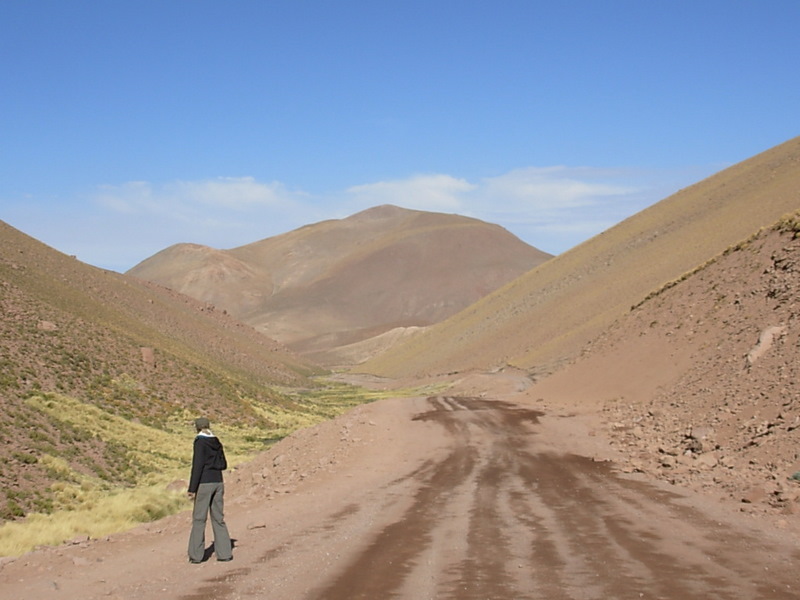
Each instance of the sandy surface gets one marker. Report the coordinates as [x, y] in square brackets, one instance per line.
[482, 493]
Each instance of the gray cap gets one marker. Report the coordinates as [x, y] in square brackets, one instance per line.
[201, 423]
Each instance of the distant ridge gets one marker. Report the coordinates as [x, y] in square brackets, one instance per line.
[544, 317]
[341, 282]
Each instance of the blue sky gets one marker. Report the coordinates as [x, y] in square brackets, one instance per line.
[127, 126]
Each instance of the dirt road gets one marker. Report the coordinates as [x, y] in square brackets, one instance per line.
[443, 497]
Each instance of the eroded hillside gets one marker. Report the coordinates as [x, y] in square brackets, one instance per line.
[80, 345]
[699, 384]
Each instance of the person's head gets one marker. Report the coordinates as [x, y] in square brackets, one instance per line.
[201, 424]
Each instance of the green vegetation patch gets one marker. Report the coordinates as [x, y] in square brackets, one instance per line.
[144, 449]
[128, 483]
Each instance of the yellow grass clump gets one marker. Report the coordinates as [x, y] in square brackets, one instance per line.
[89, 506]
[100, 515]
[153, 450]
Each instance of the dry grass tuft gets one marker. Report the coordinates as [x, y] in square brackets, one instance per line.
[99, 515]
[95, 503]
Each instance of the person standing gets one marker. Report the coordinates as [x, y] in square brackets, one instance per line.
[207, 489]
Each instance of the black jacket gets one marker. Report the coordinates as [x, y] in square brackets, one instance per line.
[208, 461]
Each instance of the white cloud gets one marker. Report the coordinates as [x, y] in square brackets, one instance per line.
[223, 213]
[423, 192]
[555, 208]
[237, 193]
[552, 208]
[548, 188]
[126, 198]
[186, 197]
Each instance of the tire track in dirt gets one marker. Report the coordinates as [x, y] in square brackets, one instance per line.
[447, 498]
[495, 518]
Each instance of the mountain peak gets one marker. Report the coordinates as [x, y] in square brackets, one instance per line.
[343, 281]
[383, 211]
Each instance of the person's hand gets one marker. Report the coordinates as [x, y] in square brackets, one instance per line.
[191, 495]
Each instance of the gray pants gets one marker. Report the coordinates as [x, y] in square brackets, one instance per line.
[209, 500]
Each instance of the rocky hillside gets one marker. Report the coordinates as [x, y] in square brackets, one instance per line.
[732, 419]
[546, 316]
[700, 383]
[336, 283]
[76, 339]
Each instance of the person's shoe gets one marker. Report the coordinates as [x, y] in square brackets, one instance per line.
[195, 562]
[225, 559]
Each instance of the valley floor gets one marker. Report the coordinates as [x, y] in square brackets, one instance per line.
[480, 493]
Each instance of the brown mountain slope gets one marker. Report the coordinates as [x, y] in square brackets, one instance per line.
[340, 282]
[546, 315]
[127, 348]
[700, 384]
